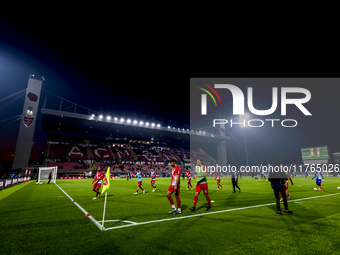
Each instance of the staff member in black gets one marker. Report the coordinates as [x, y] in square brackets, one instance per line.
[277, 177]
[234, 180]
[49, 177]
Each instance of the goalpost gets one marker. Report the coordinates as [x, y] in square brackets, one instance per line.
[44, 173]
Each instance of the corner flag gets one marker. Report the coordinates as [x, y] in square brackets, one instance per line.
[106, 182]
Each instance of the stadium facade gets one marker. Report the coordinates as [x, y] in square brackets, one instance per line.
[79, 143]
[79, 140]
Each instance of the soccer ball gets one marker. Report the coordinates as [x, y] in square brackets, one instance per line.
[315, 189]
[338, 187]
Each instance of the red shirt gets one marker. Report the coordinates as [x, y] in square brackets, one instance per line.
[176, 173]
[217, 176]
[99, 177]
[187, 173]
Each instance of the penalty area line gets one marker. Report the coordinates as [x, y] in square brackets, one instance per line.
[209, 213]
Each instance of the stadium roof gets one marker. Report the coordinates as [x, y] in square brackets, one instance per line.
[63, 121]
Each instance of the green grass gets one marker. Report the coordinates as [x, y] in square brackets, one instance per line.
[41, 219]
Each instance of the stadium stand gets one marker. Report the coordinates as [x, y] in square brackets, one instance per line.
[73, 155]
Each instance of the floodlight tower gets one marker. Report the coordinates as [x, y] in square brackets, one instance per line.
[245, 119]
[221, 145]
[23, 147]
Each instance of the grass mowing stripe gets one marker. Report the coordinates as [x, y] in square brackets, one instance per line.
[300, 239]
[11, 189]
[208, 213]
[82, 209]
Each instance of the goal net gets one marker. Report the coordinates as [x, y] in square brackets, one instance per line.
[44, 174]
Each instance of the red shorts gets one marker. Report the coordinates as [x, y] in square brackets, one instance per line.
[139, 183]
[203, 186]
[153, 182]
[171, 189]
[189, 180]
[218, 181]
[97, 186]
[287, 184]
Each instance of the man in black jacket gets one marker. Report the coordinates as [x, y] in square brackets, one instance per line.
[277, 177]
[49, 177]
[234, 180]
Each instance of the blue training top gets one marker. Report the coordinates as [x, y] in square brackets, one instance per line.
[318, 175]
[140, 176]
[153, 175]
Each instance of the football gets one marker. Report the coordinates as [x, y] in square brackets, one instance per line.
[338, 187]
[315, 189]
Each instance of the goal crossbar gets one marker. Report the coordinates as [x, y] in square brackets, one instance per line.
[45, 173]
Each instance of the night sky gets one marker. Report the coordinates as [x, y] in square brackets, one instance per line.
[138, 70]
[90, 63]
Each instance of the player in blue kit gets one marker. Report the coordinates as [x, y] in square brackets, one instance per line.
[140, 179]
[153, 179]
[318, 175]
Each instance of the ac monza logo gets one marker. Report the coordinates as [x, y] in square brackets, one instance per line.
[28, 120]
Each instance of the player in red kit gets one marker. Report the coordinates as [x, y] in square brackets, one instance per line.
[174, 188]
[98, 179]
[201, 185]
[218, 179]
[153, 176]
[140, 180]
[188, 174]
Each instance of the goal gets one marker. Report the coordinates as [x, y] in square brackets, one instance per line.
[44, 173]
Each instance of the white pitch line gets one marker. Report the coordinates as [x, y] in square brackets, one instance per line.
[176, 218]
[75, 189]
[82, 209]
[306, 198]
[127, 221]
[208, 213]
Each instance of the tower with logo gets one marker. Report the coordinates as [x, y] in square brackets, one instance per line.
[27, 125]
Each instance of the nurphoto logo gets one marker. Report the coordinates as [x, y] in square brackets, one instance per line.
[239, 104]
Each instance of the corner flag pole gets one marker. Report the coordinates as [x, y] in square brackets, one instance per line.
[104, 211]
[105, 186]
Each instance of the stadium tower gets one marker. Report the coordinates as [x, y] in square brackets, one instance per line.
[27, 125]
[222, 147]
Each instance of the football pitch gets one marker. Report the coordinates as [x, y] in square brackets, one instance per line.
[42, 219]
